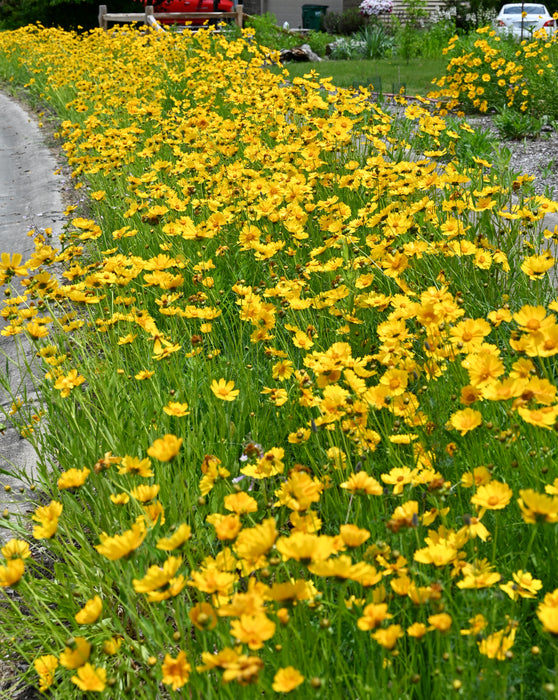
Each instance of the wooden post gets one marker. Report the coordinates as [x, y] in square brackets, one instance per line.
[102, 21]
[238, 20]
[148, 11]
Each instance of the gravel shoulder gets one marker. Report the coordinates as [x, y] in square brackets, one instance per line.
[538, 156]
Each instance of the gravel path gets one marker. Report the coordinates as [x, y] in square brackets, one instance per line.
[538, 157]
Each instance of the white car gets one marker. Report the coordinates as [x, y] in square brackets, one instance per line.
[521, 20]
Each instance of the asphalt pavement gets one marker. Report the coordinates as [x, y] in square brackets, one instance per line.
[30, 198]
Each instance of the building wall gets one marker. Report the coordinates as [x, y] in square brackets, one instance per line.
[289, 10]
[399, 7]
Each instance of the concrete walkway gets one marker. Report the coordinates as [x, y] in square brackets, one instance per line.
[29, 199]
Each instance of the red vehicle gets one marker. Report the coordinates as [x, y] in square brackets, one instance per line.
[189, 6]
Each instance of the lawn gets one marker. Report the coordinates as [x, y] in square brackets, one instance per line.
[386, 75]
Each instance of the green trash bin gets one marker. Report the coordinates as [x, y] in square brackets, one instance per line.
[312, 16]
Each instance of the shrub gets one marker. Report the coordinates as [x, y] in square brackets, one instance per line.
[318, 41]
[487, 72]
[512, 124]
[377, 43]
[346, 23]
[436, 38]
[268, 34]
[347, 48]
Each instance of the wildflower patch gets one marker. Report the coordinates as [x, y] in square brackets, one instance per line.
[299, 390]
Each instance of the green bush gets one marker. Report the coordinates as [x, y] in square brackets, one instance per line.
[318, 42]
[377, 43]
[512, 124]
[436, 38]
[269, 34]
[485, 72]
[346, 23]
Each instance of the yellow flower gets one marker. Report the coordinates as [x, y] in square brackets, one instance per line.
[119, 499]
[73, 478]
[16, 549]
[523, 585]
[417, 630]
[175, 408]
[479, 574]
[77, 654]
[235, 665]
[90, 612]
[292, 591]
[306, 547]
[111, 646]
[144, 374]
[479, 475]
[361, 482]
[388, 637]
[548, 615]
[373, 615]
[89, 678]
[536, 266]
[538, 506]
[254, 542]
[119, 546]
[176, 672]
[282, 370]
[133, 465]
[496, 645]
[399, 477]
[166, 448]
[343, 568]
[68, 382]
[253, 630]
[353, 536]
[270, 464]
[466, 420]
[240, 503]
[299, 491]
[478, 623]
[543, 417]
[224, 390]
[157, 576]
[492, 496]
[226, 527]
[47, 516]
[287, 679]
[441, 622]
[145, 492]
[177, 539]
[45, 666]
[10, 266]
[439, 554]
[12, 572]
[203, 616]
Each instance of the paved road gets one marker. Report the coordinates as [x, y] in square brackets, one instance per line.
[29, 198]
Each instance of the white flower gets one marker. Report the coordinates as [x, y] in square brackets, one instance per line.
[375, 7]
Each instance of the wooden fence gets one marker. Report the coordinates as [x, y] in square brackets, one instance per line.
[151, 18]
